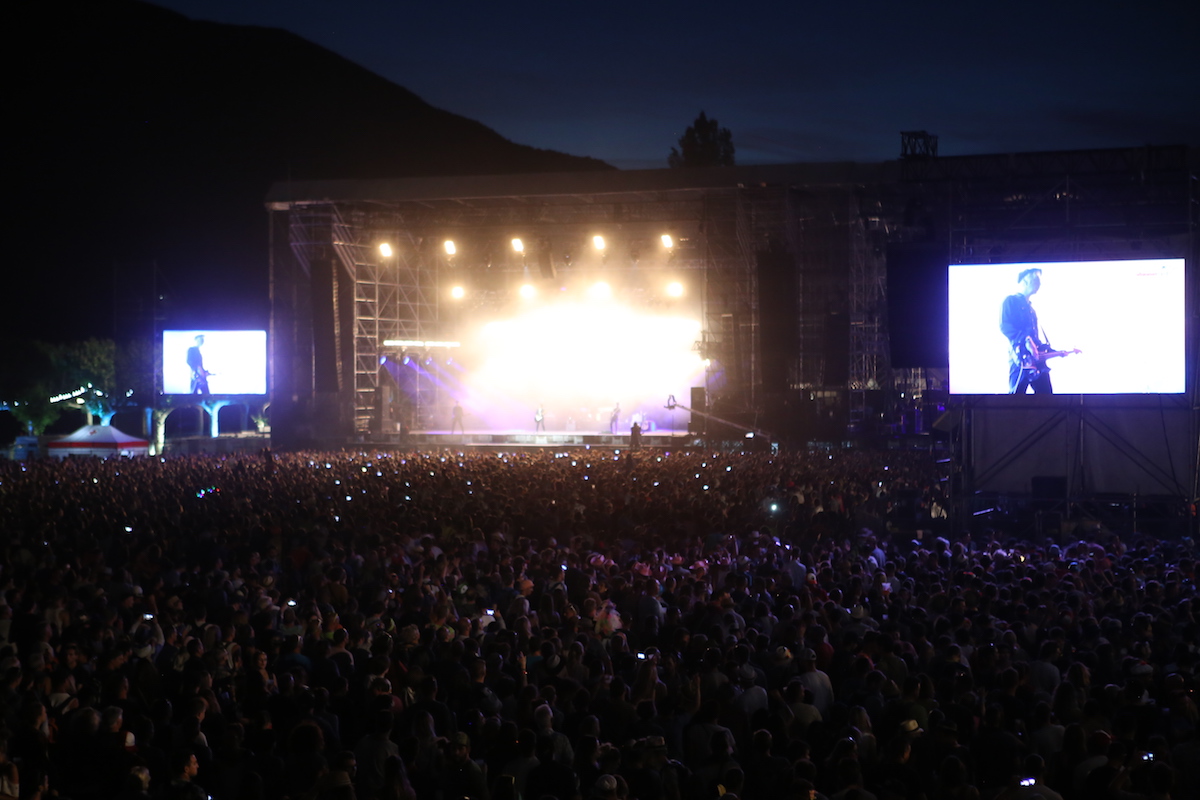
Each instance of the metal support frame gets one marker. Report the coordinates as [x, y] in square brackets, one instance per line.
[868, 297]
[393, 296]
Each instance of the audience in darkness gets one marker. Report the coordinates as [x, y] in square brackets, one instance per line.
[576, 625]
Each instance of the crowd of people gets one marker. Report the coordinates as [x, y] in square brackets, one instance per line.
[576, 625]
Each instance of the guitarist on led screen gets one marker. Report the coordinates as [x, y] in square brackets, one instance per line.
[195, 360]
[1028, 353]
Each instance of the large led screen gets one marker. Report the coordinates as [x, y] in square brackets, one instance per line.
[206, 362]
[1080, 327]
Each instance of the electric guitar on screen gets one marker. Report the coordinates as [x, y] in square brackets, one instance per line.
[1034, 356]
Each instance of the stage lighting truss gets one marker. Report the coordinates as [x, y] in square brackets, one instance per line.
[522, 267]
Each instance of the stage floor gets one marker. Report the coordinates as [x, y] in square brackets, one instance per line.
[528, 439]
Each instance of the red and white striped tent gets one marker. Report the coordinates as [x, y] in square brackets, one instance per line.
[98, 440]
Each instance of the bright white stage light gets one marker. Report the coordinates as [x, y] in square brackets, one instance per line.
[598, 241]
[518, 246]
[385, 250]
[458, 293]
[576, 359]
[675, 289]
[667, 241]
[600, 291]
[450, 248]
[528, 292]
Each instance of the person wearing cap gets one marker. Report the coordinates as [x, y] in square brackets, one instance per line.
[461, 777]
[750, 699]
[673, 775]
[781, 667]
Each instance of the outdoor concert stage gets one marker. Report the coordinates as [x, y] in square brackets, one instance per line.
[804, 297]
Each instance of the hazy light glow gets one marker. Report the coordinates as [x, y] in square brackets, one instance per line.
[450, 248]
[518, 246]
[600, 291]
[528, 292]
[675, 289]
[578, 359]
[667, 241]
[458, 293]
[385, 250]
[598, 242]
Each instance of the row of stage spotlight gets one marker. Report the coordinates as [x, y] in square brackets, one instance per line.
[600, 290]
[518, 245]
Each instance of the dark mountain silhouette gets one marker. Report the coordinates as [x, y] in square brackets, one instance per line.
[148, 138]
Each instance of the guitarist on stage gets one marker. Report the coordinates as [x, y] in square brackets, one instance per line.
[1027, 352]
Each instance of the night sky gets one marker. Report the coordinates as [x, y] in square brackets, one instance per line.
[794, 81]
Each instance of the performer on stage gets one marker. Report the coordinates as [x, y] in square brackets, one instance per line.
[615, 419]
[539, 419]
[456, 418]
[195, 361]
[1027, 354]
